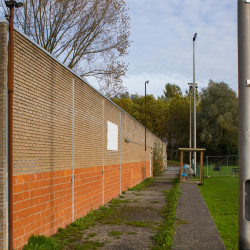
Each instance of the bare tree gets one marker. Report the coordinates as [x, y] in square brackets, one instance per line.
[89, 36]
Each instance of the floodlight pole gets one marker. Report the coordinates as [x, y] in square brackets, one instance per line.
[194, 86]
[244, 122]
[190, 126]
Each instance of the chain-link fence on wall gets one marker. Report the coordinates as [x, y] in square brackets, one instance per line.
[73, 149]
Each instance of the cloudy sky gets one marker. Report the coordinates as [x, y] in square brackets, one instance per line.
[162, 50]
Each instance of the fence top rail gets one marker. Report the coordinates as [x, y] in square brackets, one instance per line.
[220, 156]
[2, 20]
[192, 149]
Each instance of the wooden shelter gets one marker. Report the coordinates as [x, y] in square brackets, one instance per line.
[201, 150]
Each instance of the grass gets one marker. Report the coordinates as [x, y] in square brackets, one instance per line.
[41, 242]
[221, 196]
[139, 223]
[132, 233]
[137, 194]
[115, 233]
[173, 163]
[92, 235]
[223, 172]
[142, 185]
[93, 245]
[164, 238]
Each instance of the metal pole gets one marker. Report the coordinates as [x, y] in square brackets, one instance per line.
[194, 86]
[103, 151]
[190, 129]
[139, 154]
[244, 122]
[73, 151]
[121, 152]
[10, 135]
[227, 165]
[207, 166]
[145, 114]
[131, 155]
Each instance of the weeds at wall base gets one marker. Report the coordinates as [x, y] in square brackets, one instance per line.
[75, 230]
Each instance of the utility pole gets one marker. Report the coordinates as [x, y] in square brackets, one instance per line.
[194, 86]
[11, 5]
[244, 122]
[190, 125]
[146, 114]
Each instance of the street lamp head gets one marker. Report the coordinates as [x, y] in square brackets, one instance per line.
[195, 36]
[147, 82]
[18, 4]
[11, 4]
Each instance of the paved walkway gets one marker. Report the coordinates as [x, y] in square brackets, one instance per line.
[195, 229]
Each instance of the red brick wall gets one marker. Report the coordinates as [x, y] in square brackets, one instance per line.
[42, 204]
[43, 201]
[88, 190]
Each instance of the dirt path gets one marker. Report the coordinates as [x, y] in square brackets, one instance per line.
[134, 220]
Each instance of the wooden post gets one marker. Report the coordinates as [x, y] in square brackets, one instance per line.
[181, 164]
[201, 166]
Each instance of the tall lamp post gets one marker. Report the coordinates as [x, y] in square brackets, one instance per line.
[146, 114]
[194, 38]
[190, 125]
[11, 5]
[244, 122]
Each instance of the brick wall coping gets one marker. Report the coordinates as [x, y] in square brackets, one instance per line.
[2, 20]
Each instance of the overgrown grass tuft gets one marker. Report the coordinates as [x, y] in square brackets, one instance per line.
[41, 242]
[139, 223]
[115, 233]
[140, 186]
[164, 238]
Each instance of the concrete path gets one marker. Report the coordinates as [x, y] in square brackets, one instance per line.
[172, 172]
[195, 229]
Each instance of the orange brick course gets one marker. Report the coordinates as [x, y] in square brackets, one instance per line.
[43, 201]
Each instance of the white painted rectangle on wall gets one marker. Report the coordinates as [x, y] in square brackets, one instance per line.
[112, 136]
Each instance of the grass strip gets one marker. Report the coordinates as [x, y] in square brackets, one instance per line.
[164, 238]
[221, 196]
[142, 185]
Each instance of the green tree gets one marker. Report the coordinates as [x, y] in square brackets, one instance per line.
[171, 91]
[177, 125]
[156, 112]
[217, 120]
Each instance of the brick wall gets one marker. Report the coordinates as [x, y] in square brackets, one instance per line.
[62, 167]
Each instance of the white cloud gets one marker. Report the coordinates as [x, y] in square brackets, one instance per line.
[162, 51]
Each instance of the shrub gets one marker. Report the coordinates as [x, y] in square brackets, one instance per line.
[158, 159]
